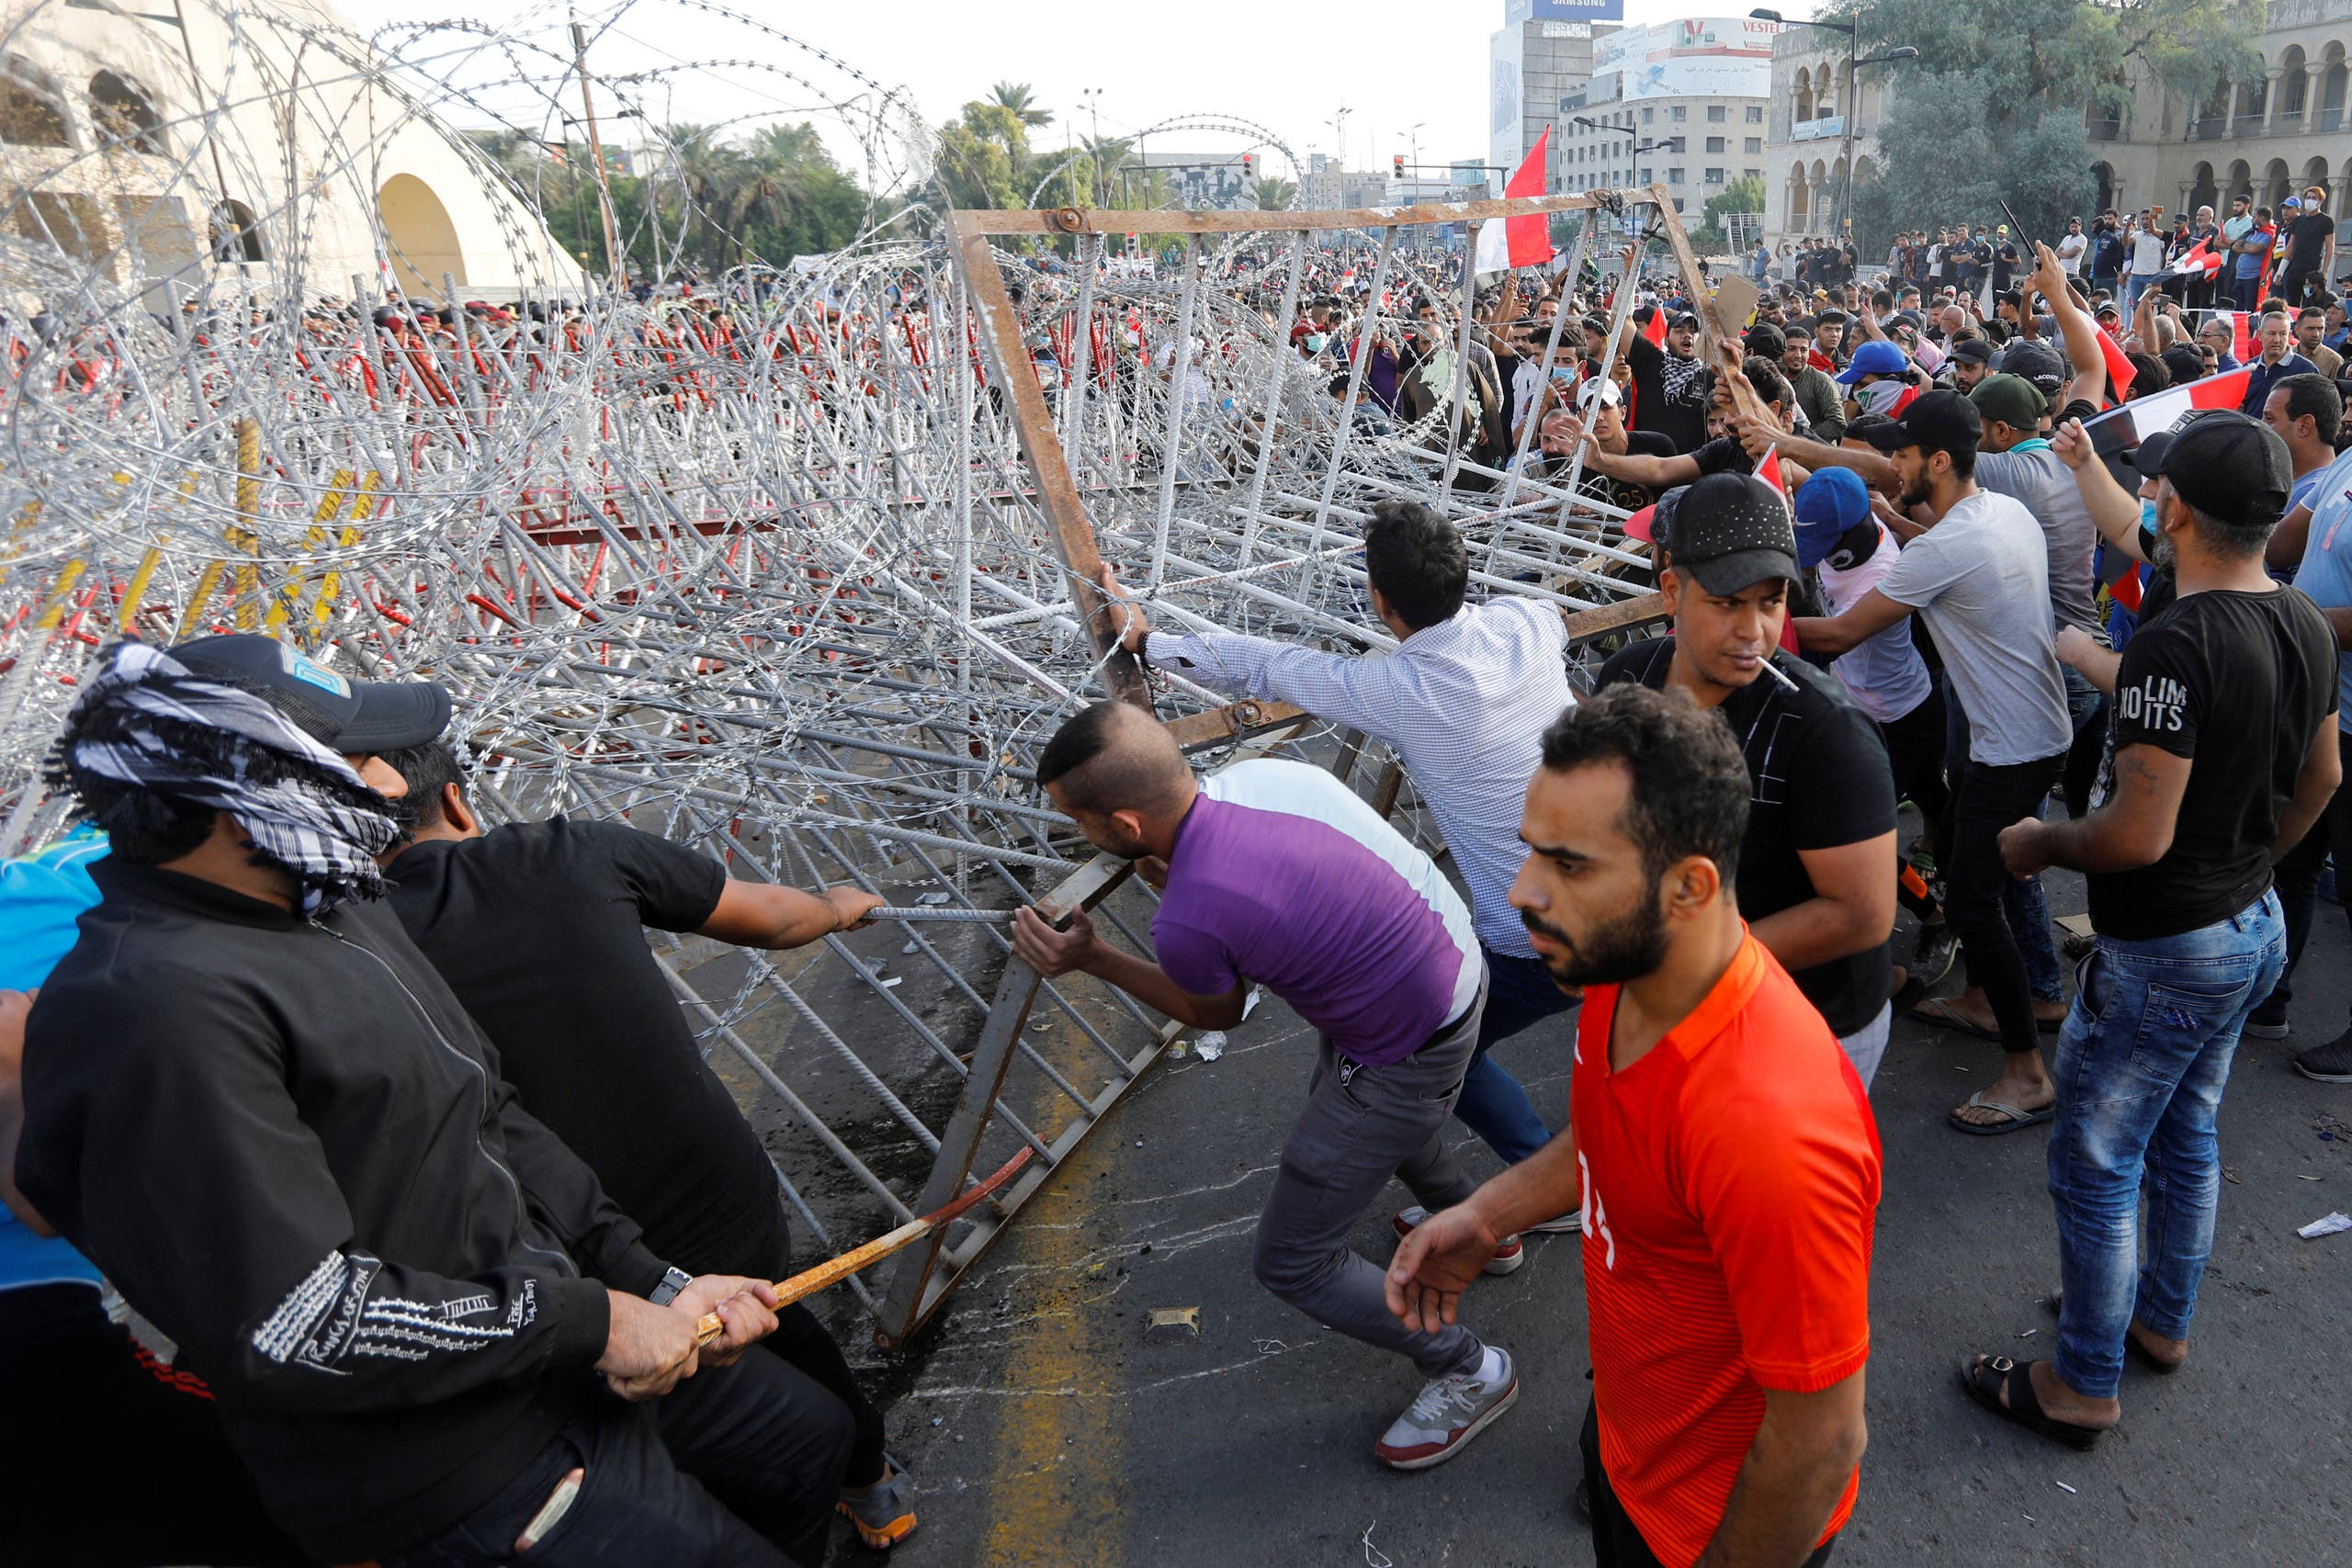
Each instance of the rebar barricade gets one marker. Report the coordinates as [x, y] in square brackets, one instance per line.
[806, 577]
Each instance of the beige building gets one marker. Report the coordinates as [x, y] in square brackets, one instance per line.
[169, 148]
[2268, 136]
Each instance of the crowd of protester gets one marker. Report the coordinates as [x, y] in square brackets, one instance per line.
[2019, 558]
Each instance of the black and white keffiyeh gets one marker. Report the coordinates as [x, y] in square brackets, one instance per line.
[311, 815]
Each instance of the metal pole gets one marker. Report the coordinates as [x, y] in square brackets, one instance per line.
[596, 152]
[1845, 190]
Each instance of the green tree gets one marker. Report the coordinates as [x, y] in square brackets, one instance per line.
[1740, 196]
[1274, 195]
[1993, 109]
[984, 155]
[1021, 100]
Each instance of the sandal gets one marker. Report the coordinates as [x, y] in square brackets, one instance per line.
[1986, 1377]
[2016, 1118]
[2132, 1346]
[1937, 1013]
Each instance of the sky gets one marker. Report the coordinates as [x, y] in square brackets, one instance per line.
[1290, 67]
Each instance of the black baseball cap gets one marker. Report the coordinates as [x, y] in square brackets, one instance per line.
[1976, 350]
[2225, 464]
[1941, 420]
[354, 717]
[1684, 318]
[1730, 532]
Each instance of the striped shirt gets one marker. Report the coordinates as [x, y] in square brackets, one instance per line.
[1281, 874]
[1730, 1186]
[1466, 705]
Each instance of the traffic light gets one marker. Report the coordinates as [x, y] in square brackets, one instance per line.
[1396, 165]
[1249, 165]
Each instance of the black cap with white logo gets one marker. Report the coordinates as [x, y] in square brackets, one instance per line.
[1733, 531]
[355, 717]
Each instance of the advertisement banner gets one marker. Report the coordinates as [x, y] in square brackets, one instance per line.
[1518, 11]
[1699, 57]
[1505, 120]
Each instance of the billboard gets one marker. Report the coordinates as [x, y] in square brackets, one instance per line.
[1518, 11]
[1698, 57]
[1504, 120]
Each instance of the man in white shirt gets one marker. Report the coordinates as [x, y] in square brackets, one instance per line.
[2144, 256]
[1465, 699]
[2073, 247]
[1979, 576]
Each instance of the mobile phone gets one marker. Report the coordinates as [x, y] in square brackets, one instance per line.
[551, 1512]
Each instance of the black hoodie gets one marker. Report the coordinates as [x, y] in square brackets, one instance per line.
[290, 1149]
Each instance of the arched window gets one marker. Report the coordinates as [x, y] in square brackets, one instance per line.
[124, 115]
[32, 111]
[236, 233]
[2294, 83]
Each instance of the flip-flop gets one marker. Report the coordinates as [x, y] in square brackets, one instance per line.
[1984, 1377]
[2131, 1347]
[2016, 1118]
[1937, 1011]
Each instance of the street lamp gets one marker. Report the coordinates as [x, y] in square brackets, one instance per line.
[1632, 136]
[1855, 61]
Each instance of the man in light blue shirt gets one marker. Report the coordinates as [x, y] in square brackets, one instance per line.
[1465, 699]
[72, 1382]
[2326, 573]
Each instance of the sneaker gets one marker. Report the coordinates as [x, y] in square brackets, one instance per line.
[883, 1512]
[1507, 1259]
[1449, 1412]
[2267, 1024]
[1936, 952]
[2331, 1063]
[1569, 1223]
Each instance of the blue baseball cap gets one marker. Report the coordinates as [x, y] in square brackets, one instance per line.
[1832, 502]
[1876, 357]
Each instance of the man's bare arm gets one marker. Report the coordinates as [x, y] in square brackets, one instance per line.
[1851, 909]
[1868, 616]
[1797, 1468]
[2315, 786]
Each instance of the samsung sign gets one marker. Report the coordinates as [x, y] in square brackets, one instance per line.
[1516, 11]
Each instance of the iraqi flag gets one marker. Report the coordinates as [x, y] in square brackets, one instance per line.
[1520, 241]
[2120, 429]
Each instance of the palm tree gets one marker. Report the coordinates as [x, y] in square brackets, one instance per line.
[1276, 194]
[1022, 99]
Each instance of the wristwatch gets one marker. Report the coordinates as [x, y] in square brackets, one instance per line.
[673, 1281]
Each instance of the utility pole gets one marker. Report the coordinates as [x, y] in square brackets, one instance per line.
[596, 153]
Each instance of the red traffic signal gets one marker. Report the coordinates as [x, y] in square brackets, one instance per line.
[1249, 165]
[1398, 165]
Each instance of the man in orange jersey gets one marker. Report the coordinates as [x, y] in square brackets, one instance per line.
[1721, 1145]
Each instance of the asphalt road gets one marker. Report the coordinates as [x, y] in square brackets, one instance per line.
[1046, 1422]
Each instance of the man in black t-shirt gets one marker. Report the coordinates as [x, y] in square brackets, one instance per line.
[1720, 453]
[1670, 384]
[2221, 756]
[539, 928]
[2307, 246]
[1816, 866]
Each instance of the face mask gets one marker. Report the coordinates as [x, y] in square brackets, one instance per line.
[2148, 518]
[1314, 341]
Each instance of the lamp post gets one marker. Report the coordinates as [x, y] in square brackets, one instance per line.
[1637, 146]
[1091, 99]
[1855, 61]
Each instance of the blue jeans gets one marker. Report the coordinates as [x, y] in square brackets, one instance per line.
[1493, 1105]
[2141, 1067]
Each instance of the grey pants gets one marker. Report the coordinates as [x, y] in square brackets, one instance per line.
[1360, 1125]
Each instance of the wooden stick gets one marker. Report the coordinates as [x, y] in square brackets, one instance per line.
[833, 1271]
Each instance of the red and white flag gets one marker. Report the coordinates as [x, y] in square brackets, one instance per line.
[2119, 430]
[1518, 241]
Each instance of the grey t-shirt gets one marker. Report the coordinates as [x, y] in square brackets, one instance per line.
[1981, 579]
[2031, 472]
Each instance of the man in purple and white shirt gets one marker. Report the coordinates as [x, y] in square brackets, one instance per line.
[1277, 872]
[1464, 700]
